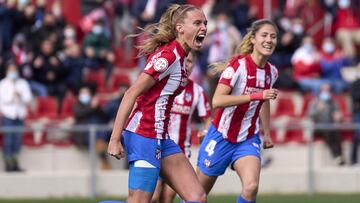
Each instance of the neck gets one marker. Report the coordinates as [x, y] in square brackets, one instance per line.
[184, 45]
[259, 60]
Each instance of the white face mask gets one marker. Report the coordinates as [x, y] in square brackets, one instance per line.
[298, 29]
[12, 75]
[328, 47]
[84, 98]
[69, 33]
[308, 47]
[324, 96]
[97, 29]
[222, 25]
[344, 4]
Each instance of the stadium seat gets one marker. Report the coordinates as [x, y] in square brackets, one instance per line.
[97, 77]
[284, 107]
[67, 107]
[119, 79]
[46, 107]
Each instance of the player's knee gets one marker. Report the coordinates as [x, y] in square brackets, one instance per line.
[251, 187]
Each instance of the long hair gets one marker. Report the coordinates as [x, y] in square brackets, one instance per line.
[164, 31]
[245, 46]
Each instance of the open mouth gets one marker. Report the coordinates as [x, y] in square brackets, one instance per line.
[200, 38]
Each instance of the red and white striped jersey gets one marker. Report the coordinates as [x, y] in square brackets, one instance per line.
[238, 123]
[193, 96]
[151, 116]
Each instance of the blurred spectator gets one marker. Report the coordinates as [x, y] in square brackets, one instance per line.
[347, 27]
[73, 65]
[98, 49]
[9, 19]
[306, 66]
[49, 30]
[332, 61]
[355, 96]
[223, 40]
[323, 110]
[243, 15]
[291, 33]
[88, 111]
[48, 70]
[15, 96]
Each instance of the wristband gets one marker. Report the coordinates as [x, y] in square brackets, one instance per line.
[256, 96]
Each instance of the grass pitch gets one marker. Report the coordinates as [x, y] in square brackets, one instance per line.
[275, 198]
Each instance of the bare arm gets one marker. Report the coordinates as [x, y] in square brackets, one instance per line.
[223, 99]
[265, 122]
[142, 84]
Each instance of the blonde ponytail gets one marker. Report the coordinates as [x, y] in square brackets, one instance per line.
[164, 31]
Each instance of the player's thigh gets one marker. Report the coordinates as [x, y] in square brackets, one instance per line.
[180, 175]
[248, 169]
[139, 196]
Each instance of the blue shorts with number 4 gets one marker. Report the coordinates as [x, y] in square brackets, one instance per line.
[216, 153]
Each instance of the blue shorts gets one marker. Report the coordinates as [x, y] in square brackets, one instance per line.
[148, 149]
[216, 153]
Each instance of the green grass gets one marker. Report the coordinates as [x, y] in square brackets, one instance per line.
[293, 198]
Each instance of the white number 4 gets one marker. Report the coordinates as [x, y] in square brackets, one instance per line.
[210, 147]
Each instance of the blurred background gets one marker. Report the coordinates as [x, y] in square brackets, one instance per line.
[65, 65]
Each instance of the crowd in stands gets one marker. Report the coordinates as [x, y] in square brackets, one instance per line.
[77, 73]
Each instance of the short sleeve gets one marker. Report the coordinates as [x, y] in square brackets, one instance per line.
[158, 64]
[274, 74]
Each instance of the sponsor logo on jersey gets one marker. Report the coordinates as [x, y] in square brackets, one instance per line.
[177, 108]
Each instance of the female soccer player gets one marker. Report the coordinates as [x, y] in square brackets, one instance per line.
[191, 98]
[150, 152]
[241, 97]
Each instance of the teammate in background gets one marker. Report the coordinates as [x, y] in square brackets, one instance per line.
[193, 96]
[241, 98]
[146, 138]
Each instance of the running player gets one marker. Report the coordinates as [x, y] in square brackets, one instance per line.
[146, 138]
[241, 98]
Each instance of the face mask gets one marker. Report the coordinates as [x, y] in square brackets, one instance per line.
[12, 75]
[84, 98]
[97, 29]
[69, 33]
[324, 96]
[298, 29]
[344, 4]
[328, 47]
[222, 25]
[308, 47]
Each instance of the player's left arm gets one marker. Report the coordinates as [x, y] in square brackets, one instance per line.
[265, 122]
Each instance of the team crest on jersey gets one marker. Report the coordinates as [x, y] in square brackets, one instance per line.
[188, 96]
[267, 80]
[158, 154]
[228, 73]
[207, 163]
[161, 64]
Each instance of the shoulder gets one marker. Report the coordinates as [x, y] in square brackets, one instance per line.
[161, 59]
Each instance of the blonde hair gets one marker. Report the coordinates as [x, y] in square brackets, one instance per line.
[245, 46]
[164, 31]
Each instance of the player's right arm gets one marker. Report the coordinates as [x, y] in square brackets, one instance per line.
[142, 84]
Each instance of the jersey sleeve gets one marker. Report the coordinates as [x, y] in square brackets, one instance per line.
[274, 74]
[230, 75]
[158, 64]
